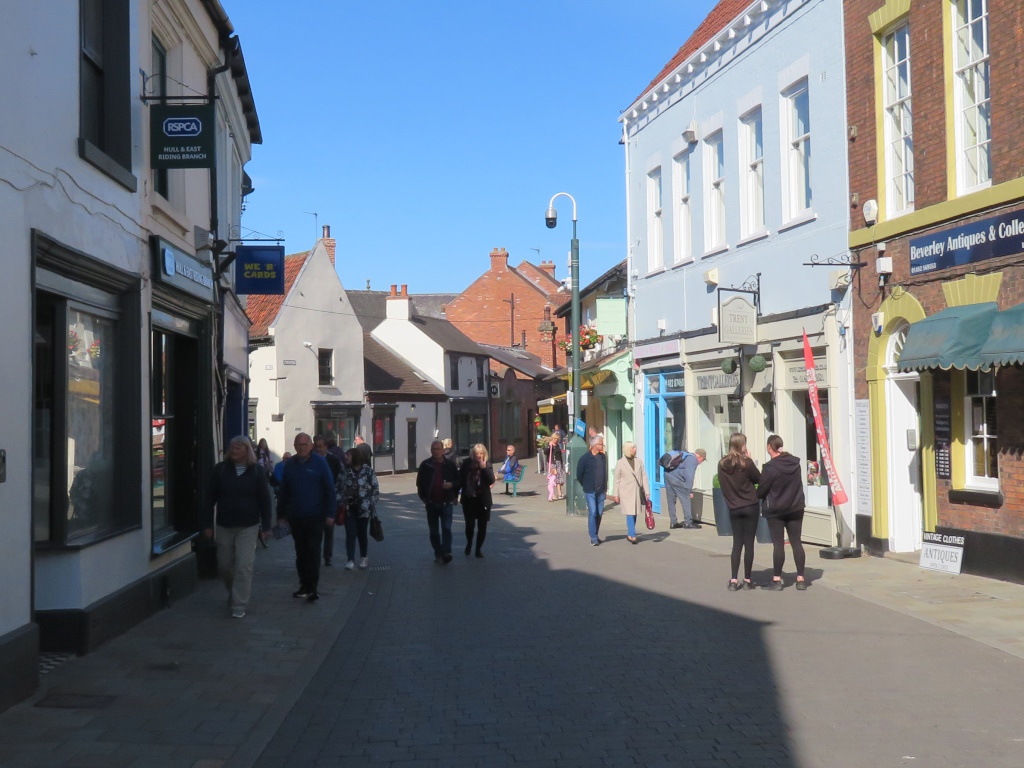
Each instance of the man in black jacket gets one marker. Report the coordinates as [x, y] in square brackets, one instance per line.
[782, 492]
[592, 475]
[321, 446]
[437, 484]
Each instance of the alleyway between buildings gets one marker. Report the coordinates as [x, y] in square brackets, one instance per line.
[549, 652]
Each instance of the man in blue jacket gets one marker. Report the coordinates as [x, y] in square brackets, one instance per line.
[306, 499]
[592, 475]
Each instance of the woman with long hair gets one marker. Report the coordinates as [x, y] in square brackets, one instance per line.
[477, 477]
[239, 498]
[738, 475]
[556, 465]
[361, 496]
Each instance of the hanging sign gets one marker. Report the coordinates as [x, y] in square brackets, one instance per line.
[181, 136]
[838, 494]
[259, 270]
[737, 320]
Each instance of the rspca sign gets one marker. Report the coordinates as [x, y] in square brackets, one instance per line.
[181, 136]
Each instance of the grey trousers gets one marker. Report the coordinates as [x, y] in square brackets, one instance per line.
[236, 554]
[676, 491]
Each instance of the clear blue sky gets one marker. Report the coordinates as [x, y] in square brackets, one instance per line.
[428, 133]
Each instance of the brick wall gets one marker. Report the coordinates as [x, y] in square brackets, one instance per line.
[483, 313]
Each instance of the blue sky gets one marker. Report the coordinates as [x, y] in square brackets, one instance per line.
[428, 133]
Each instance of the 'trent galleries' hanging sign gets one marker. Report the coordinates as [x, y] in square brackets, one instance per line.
[181, 136]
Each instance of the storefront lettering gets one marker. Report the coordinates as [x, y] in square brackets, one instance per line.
[709, 381]
[986, 239]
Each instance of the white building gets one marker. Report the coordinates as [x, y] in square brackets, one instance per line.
[724, 192]
[111, 294]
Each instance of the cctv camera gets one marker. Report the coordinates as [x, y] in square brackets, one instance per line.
[551, 218]
[307, 344]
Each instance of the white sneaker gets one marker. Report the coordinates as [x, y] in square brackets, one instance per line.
[363, 563]
[349, 565]
[238, 613]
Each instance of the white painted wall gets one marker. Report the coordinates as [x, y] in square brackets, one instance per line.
[410, 343]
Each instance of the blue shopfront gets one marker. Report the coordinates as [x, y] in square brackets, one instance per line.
[664, 422]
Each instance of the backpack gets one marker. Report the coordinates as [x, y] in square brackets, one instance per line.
[670, 462]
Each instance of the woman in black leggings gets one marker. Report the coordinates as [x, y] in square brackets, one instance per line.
[782, 488]
[738, 475]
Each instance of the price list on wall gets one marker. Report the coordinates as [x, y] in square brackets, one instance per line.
[943, 437]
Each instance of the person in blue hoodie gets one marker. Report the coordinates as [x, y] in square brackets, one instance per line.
[239, 499]
[305, 500]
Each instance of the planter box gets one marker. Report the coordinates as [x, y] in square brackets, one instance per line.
[722, 521]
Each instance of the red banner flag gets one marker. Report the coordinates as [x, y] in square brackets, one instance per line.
[838, 494]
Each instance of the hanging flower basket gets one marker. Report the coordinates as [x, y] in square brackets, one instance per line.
[757, 363]
[729, 365]
[589, 338]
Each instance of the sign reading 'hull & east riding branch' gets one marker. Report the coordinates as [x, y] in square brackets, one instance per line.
[181, 136]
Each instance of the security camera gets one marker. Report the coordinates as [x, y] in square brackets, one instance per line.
[307, 344]
[551, 218]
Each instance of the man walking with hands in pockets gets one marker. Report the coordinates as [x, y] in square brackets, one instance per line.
[437, 484]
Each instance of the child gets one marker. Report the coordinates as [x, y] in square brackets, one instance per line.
[552, 483]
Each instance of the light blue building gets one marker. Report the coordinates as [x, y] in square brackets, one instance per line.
[736, 178]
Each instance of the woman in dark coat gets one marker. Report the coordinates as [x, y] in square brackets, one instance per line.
[782, 489]
[737, 475]
[240, 494]
[477, 477]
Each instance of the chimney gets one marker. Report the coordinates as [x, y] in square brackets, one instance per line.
[399, 306]
[328, 242]
[549, 267]
[499, 260]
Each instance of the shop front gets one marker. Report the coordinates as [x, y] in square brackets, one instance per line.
[664, 423]
[337, 421]
[469, 424]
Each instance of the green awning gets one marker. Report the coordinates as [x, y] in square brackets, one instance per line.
[1005, 342]
[948, 339]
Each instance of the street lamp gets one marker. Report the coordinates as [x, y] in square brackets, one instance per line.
[575, 442]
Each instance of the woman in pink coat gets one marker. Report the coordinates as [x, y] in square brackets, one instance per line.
[630, 490]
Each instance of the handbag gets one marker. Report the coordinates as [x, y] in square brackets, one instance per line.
[339, 518]
[649, 514]
[376, 529]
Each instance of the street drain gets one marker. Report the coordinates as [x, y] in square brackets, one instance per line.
[50, 661]
[75, 701]
[380, 567]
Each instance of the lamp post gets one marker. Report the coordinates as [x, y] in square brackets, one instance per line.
[575, 442]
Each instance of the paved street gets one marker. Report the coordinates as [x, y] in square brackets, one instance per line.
[549, 652]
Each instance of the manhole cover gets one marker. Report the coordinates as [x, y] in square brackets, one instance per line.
[75, 701]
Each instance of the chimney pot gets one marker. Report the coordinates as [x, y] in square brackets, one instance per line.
[327, 230]
[405, 292]
[394, 289]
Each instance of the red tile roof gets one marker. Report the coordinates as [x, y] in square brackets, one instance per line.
[706, 31]
[262, 310]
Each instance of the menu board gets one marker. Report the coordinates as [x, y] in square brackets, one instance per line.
[943, 437]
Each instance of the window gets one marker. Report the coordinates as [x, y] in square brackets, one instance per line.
[655, 225]
[480, 374]
[341, 424]
[752, 187]
[325, 366]
[157, 86]
[87, 458]
[510, 418]
[683, 248]
[899, 132]
[715, 165]
[798, 150]
[982, 447]
[384, 432]
[972, 99]
[453, 371]
[105, 129]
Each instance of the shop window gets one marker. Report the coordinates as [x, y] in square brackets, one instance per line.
[981, 438]
[157, 86]
[81, 432]
[325, 366]
[105, 128]
[510, 419]
[718, 417]
[384, 432]
[339, 424]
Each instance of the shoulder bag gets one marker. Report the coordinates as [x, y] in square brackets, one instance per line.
[376, 529]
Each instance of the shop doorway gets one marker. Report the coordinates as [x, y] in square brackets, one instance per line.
[904, 460]
[410, 438]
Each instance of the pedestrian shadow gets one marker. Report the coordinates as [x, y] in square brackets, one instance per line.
[538, 664]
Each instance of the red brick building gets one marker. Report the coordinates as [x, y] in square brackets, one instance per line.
[506, 305]
[937, 223]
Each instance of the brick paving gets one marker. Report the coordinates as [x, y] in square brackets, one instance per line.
[549, 652]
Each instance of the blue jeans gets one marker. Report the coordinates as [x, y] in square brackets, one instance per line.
[631, 526]
[595, 509]
[440, 515]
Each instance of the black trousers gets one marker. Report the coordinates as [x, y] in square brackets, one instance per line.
[328, 542]
[477, 516]
[744, 529]
[792, 524]
[308, 535]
